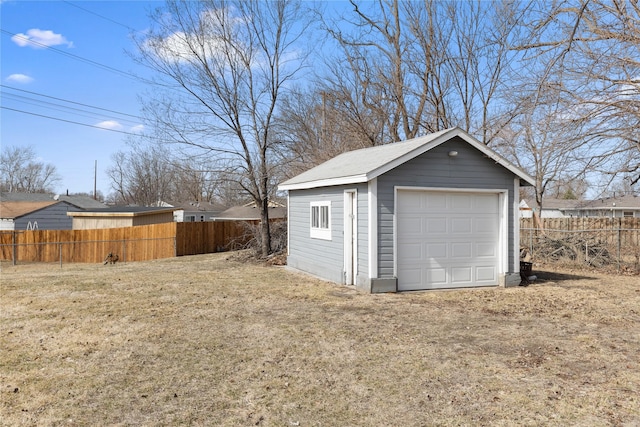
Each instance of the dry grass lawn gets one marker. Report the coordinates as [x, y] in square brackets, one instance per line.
[211, 340]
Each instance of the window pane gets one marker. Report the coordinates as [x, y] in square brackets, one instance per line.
[324, 217]
[314, 216]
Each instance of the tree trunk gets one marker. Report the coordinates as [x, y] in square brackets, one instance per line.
[265, 232]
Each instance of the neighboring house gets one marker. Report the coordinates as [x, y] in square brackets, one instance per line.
[82, 202]
[29, 215]
[120, 216]
[196, 211]
[611, 207]
[551, 208]
[250, 213]
[439, 211]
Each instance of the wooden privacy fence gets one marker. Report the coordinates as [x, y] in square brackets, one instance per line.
[140, 243]
[598, 242]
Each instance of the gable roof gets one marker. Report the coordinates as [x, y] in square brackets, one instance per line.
[198, 206]
[552, 204]
[80, 201]
[631, 202]
[13, 209]
[363, 165]
[121, 211]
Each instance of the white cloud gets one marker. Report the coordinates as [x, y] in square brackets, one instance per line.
[179, 46]
[109, 124]
[19, 78]
[137, 129]
[39, 39]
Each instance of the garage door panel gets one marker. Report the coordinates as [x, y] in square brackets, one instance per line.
[486, 274]
[412, 252]
[410, 204]
[447, 240]
[436, 250]
[435, 203]
[436, 225]
[413, 276]
[461, 251]
[412, 223]
[461, 225]
[460, 202]
[485, 203]
[485, 225]
[461, 275]
[486, 250]
[435, 276]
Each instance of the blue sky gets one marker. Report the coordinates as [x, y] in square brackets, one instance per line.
[57, 51]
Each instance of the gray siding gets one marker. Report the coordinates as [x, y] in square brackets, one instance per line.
[52, 217]
[325, 258]
[470, 169]
[363, 233]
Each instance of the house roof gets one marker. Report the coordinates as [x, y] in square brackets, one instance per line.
[363, 165]
[14, 209]
[82, 202]
[198, 206]
[555, 204]
[248, 213]
[616, 203]
[121, 211]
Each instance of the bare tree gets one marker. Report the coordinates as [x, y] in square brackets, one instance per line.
[227, 64]
[545, 138]
[315, 125]
[195, 179]
[410, 68]
[594, 45]
[143, 176]
[22, 172]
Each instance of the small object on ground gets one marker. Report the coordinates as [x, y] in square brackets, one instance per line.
[111, 258]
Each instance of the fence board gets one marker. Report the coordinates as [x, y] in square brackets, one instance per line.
[139, 243]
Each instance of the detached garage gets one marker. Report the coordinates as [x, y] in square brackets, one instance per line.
[435, 212]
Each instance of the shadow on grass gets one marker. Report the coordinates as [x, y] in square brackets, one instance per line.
[554, 276]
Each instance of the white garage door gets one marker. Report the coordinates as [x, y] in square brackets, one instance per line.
[447, 240]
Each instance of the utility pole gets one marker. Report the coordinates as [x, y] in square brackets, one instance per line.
[95, 179]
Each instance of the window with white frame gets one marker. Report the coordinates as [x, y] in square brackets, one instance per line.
[321, 220]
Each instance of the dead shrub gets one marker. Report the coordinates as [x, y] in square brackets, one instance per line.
[252, 238]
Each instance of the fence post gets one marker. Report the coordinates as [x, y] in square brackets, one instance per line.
[586, 250]
[60, 253]
[15, 248]
[124, 251]
[619, 242]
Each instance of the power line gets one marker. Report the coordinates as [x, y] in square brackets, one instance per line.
[64, 108]
[69, 121]
[71, 102]
[78, 58]
[101, 16]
